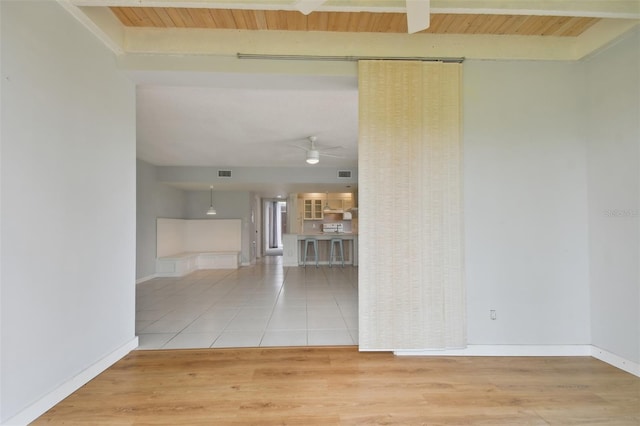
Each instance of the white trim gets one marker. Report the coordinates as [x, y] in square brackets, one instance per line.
[598, 9]
[92, 26]
[504, 350]
[533, 350]
[615, 360]
[147, 278]
[540, 12]
[41, 406]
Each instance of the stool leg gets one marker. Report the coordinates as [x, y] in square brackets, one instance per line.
[341, 253]
[315, 251]
[331, 254]
[304, 257]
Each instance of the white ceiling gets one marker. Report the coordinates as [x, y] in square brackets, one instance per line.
[245, 120]
[241, 127]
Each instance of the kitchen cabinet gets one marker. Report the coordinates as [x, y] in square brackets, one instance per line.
[312, 205]
[339, 205]
[312, 209]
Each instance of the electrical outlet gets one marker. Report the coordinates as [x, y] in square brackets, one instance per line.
[492, 314]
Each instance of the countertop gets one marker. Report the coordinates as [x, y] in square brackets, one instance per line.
[326, 235]
[293, 247]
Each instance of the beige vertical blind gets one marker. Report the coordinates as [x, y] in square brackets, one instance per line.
[411, 283]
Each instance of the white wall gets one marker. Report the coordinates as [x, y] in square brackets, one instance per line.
[159, 200]
[154, 199]
[525, 203]
[613, 139]
[229, 205]
[67, 203]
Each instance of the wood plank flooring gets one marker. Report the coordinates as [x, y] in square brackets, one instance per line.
[341, 386]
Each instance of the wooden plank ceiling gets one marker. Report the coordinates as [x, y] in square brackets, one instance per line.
[234, 19]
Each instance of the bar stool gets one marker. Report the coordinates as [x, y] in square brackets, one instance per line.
[333, 242]
[310, 242]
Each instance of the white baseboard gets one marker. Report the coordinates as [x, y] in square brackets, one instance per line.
[41, 406]
[147, 278]
[615, 360]
[504, 350]
[532, 350]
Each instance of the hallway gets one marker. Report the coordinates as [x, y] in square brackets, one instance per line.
[261, 305]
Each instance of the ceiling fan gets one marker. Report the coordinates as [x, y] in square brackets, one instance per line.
[418, 12]
[313, 153]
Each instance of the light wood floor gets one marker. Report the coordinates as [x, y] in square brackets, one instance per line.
[340, 385]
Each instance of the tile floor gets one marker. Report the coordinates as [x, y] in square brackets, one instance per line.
[261, 305]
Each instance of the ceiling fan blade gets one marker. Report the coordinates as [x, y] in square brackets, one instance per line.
[307, 6]
[304, 148]
[328, 148]
[418, 15]
[331, 155]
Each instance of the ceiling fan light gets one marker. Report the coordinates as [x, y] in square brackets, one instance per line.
[313, 156]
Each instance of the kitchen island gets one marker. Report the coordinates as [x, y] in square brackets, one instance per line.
[293, 248]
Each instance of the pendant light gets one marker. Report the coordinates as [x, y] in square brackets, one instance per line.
[326, 204]
[211, 210]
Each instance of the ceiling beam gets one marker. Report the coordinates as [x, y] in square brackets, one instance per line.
[216, 42]
[307, 6]
[418, 15]
[623, 9]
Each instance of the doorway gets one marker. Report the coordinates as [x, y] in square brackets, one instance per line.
[275, 223]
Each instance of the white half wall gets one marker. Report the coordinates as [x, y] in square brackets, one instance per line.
[171, 237]
[178, 236]
[229, 205]
[67, 280]
[525, 203]
[214, 235]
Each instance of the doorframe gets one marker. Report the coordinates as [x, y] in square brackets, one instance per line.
[266, 225]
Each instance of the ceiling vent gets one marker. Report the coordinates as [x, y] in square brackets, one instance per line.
[224, 173]
[344, 174]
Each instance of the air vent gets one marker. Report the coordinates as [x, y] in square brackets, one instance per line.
[345, 174]
[224, 173]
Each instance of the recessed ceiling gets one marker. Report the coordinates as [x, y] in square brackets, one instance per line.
[384, 22]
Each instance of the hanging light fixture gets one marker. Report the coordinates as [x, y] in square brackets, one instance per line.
[326, 204]
[211, 210]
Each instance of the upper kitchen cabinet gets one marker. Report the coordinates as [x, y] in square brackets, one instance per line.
[312, 209]
[339, 204]
[314, 205]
